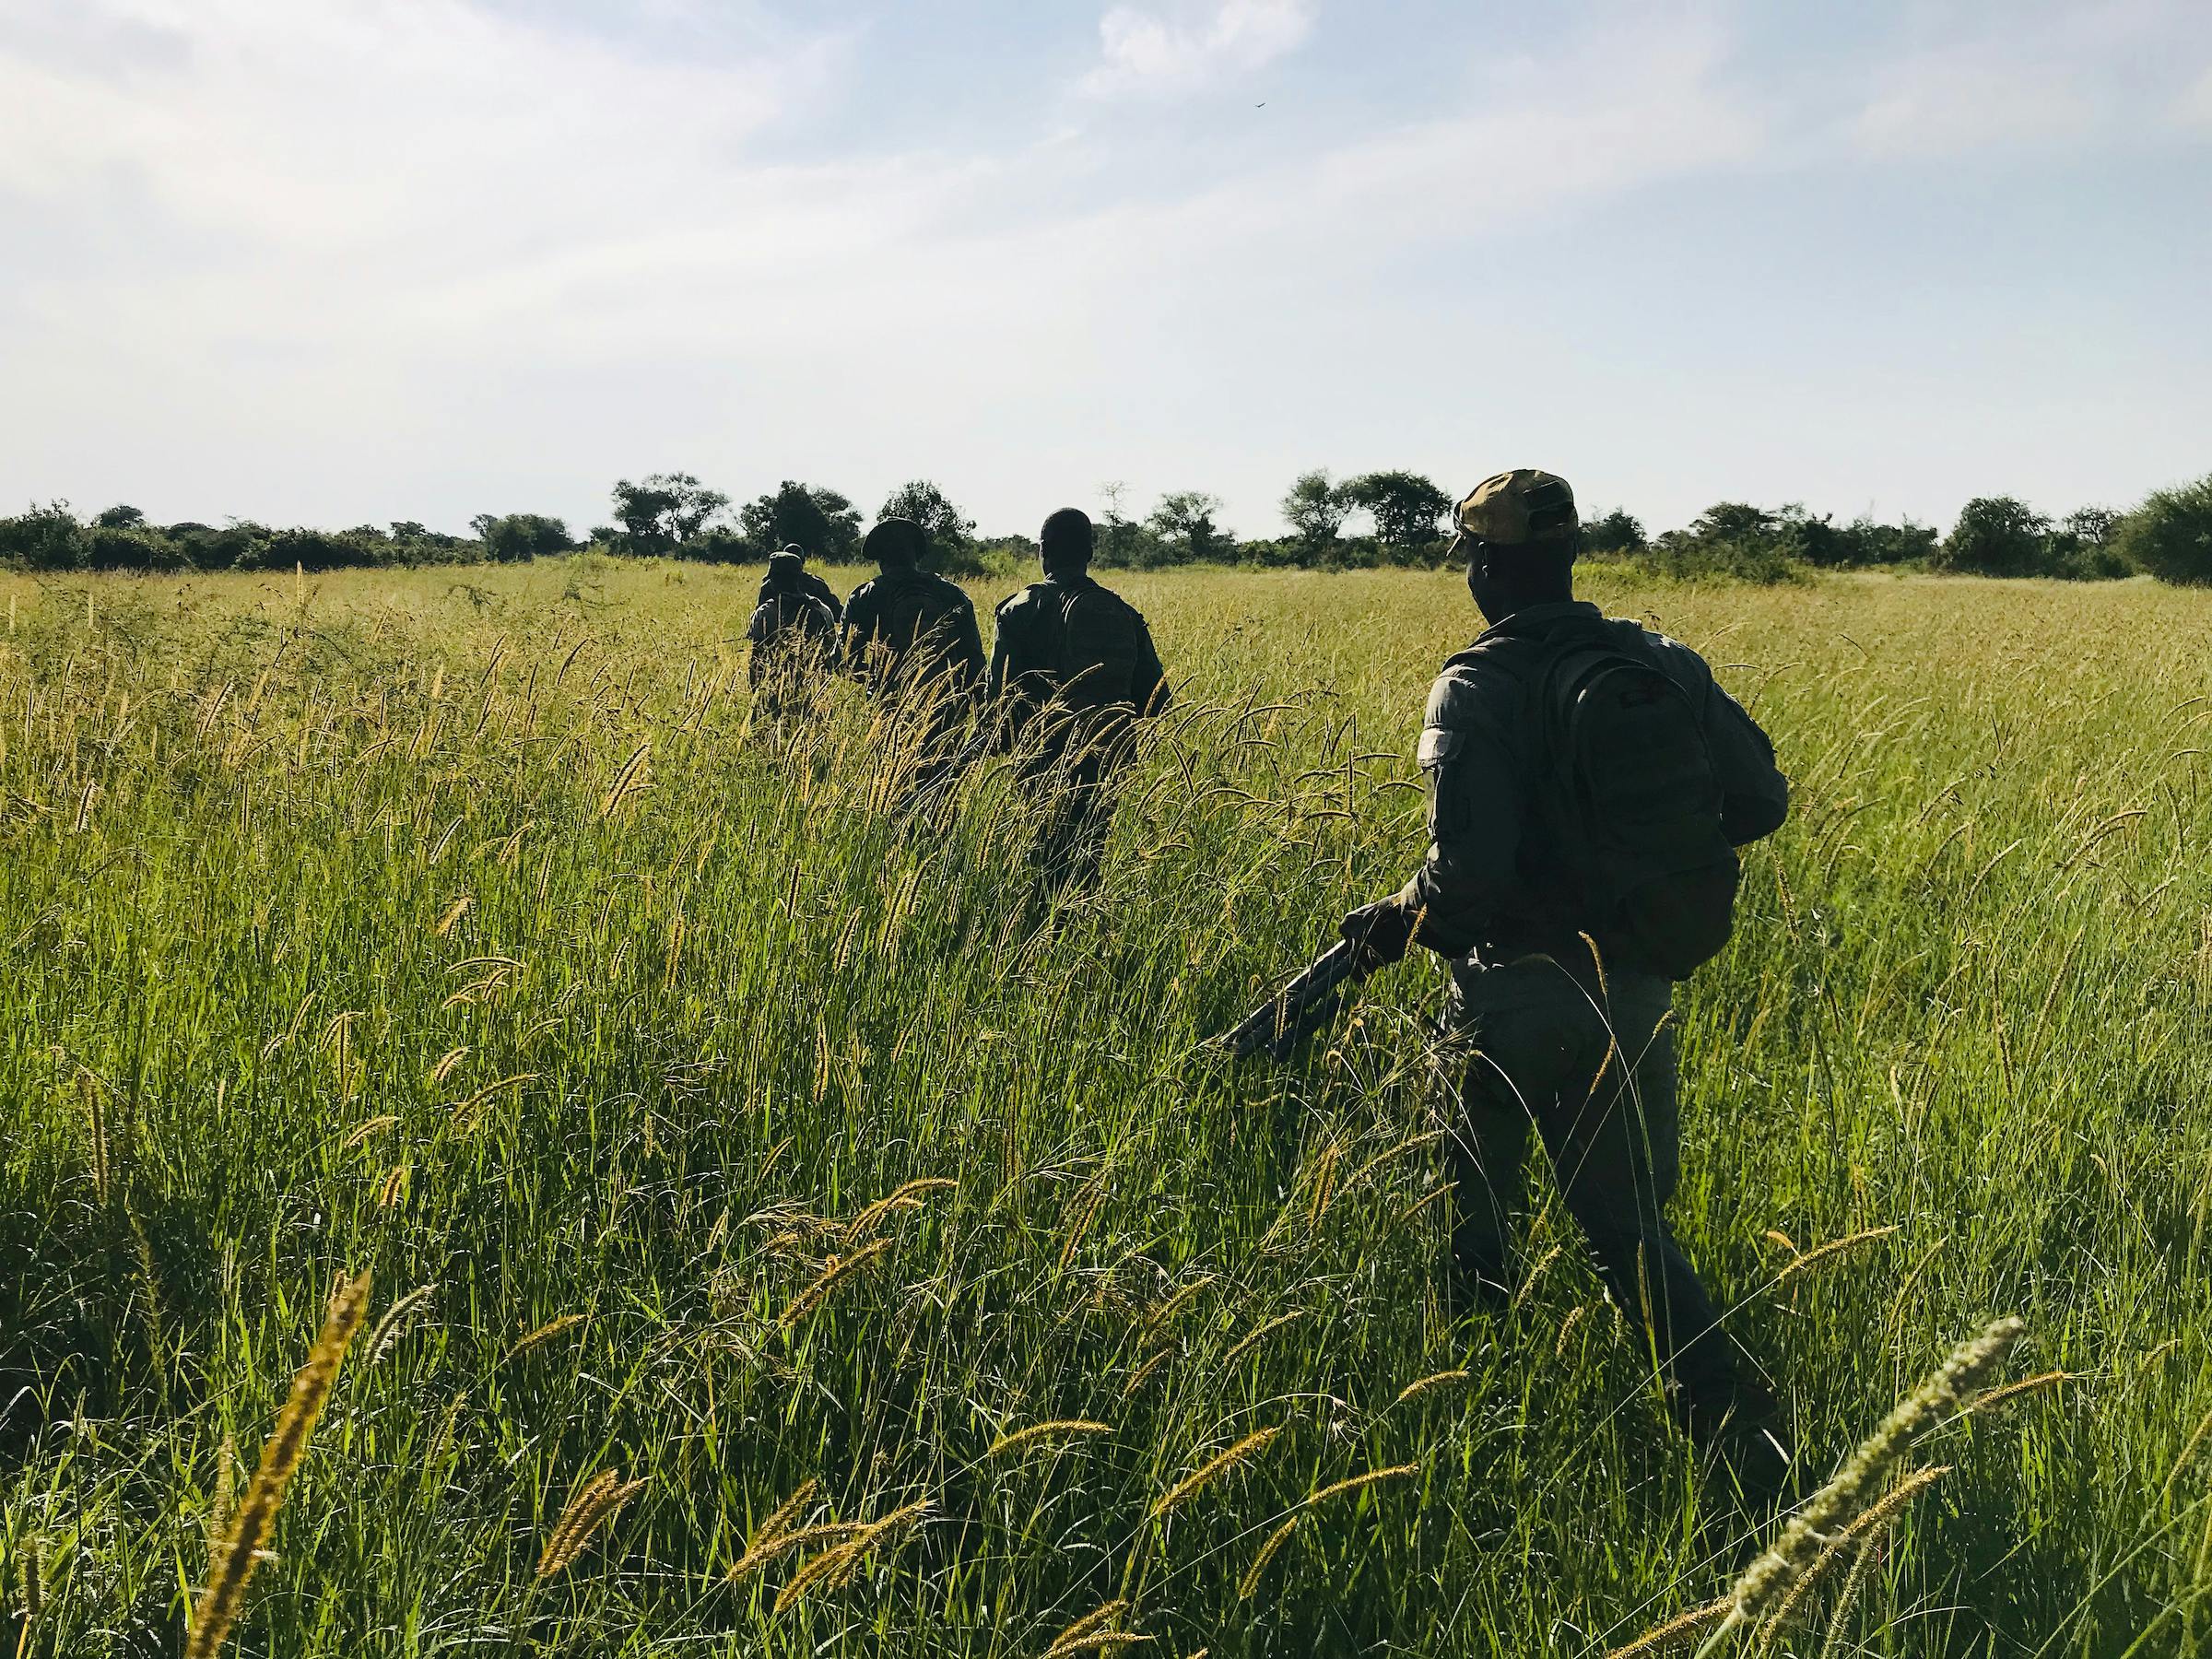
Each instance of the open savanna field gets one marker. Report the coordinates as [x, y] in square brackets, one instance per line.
[728, 1159]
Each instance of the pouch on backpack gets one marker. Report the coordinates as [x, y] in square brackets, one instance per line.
[1636, 801]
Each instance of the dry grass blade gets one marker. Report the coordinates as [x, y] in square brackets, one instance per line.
[1360, 1482]
[2013, 1391]
[595, 1504]
[1679, 1628]
[1276, 1540]
[1834, 1247]
[386, 1335]
[910, 1196]
[836, 1565]
[1763, 1586]
[1191, 1484]
[832, 1276]
[1845, 1543]
[248, 1534]
[1421, 1385]
[543, 1334]
[629, 781]
[1098, 1619]
[1059, 1429]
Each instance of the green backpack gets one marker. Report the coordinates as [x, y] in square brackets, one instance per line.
[1102, 642]
[1635, 802]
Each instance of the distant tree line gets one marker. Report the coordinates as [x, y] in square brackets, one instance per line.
[1370, 520]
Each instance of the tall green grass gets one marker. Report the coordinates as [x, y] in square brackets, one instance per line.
[453, 927]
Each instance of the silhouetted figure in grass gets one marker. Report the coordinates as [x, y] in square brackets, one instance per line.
[1588, 785]
[1072, 670]
[910, 636]
[793, 638]
[807, 581]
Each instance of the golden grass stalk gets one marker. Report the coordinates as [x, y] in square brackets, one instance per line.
[386, 1335]
[1574, 1317]
[1834, 1247]
[1177, 1302]
[1088, 1203]
[362, 1135]
[908, 1197]
[1098, 1619]
[629, 781]
[1846, 1543]
[767, 1547]
[96, 1119]
[1422, 1203]
[1413, 1144]
[1764, 1583]
[31, 1571]
[444, 1068]
[544, 1334]
[835, 1566]
[1838, 1620]
[1191, 1484]
[835, 1273]
[1421, 1385]
[394, 1187]
[597, 1502]
[1361, 1482]
[248, 1536]
[1098, 1641]
[1137, 1377]
[2013, 1391]
[1679, 1628]
[778, 1520]
[1276, 1540]
[1059, 1427]
[454, 912]
[1256, 1338]
[226, 1495]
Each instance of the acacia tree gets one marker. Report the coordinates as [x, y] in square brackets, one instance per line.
[665, 510]
[2171, 534]
[1404, 506]
[1184, 523]
[1996, 535]
[820, 523]
[1315, 508]
[950, 531]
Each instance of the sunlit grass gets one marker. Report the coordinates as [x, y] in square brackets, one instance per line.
[910, 1271]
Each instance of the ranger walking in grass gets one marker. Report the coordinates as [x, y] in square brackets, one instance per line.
[793, 638]
[1072, 670]
[911, 636]
[1588, 785]
[807, 582]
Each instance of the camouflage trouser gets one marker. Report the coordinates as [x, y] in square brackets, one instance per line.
[1595, 1073]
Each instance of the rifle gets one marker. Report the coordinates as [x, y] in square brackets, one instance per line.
[1302, 1008]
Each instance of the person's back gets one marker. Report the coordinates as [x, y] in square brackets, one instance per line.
[1588, 783]
[1072, 668]
[907, 627]
[794, 637]
[805, 580]
[1072, 651]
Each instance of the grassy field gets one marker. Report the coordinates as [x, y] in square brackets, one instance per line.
[447, 926]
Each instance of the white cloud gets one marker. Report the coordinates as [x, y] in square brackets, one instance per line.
[1947, 102]
[2196, 106]
[1147, 52]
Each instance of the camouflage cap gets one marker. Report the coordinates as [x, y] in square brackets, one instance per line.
[1519, 508]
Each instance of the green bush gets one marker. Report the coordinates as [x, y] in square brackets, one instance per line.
[44, 538]
[2170, 534]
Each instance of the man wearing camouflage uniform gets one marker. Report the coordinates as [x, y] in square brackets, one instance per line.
[1563, 1000]
[807, 581]
[1072, 669]
[910, 637]
[793, 638]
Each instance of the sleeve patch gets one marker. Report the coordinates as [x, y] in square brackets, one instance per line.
[1439, 746]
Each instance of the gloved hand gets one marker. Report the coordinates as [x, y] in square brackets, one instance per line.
[1381, 932]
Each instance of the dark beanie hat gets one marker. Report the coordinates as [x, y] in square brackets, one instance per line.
[896, 541]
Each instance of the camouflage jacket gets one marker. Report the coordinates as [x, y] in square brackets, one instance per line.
[813, 587]
[1071, 629]
[1488, 884]
[912, 624]
[789, 620]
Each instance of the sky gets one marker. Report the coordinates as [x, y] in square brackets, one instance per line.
[332, 262]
